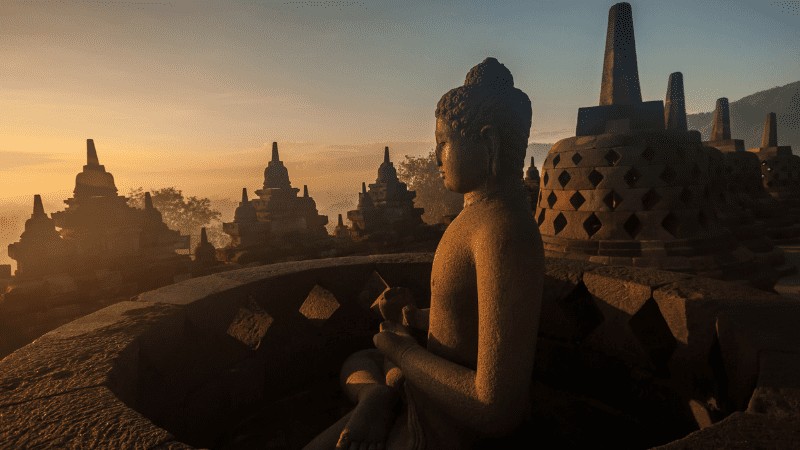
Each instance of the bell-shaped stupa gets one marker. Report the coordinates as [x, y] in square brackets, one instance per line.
[631, 188]
[780, 168]
[387, 207]
[40, 250]
[532, 183]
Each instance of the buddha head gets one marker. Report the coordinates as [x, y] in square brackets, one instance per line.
[482, 129]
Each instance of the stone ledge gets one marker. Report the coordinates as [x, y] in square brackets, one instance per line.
[103, 354]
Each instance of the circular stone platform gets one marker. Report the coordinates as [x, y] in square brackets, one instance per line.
[250, 358]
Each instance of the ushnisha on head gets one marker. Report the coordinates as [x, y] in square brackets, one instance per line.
[488, 108]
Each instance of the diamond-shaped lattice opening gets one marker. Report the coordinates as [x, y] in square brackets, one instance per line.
[668, 175]
[632, 226]
[670, 223]
[577, 200]
[649, 154]
[540, 220]
[556, 160]
[650, 199]
[552, 199]
[595, 177]
[696, 172]
[576, 158]
[581, 307]
[559, 223]
[652, 331]
[539, 202]
[702, 220]
[632, 176]
[564, 178]
[612, 157]
[686, 195]
[546, 179]
[612, 200]
[592, 225]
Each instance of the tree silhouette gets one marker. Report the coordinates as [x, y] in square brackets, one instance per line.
[421, 174]
[179, 213]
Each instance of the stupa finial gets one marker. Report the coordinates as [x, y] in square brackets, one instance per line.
[38, 208]
[148, 201]
[305, 190]
[675, 104]
[363, 187]
[244, 195]
[770, 137]
[721, 130]
[386, 155]
[275, 152]
[620, 85]
[91, 154]
[340, 224]
[203, 236]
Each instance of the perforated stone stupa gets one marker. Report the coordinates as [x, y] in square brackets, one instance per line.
[387, 208]
[780, 168]
[745, 181]
[626, 190]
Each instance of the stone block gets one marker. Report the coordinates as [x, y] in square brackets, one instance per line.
[5, 271]
[777, 390]
[188, 291]
[250, 325]
[319, 306]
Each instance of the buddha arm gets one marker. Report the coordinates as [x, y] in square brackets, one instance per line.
[509, 271]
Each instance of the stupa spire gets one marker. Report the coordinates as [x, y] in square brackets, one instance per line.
[386, 155]
[148, 201]
[675, 104]
[721, 130]
[38, 209]
[203, 236]
[244, 195]
[620, 85]
[770, 137]
[363, 187]
[91, 154]
[305, 190]
[341, 223]
[275, 156]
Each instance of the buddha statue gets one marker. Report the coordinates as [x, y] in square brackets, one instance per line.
[472, 379]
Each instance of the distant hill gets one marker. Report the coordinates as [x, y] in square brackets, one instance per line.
[748, 114]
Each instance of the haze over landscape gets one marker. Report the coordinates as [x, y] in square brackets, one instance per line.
[192, 94]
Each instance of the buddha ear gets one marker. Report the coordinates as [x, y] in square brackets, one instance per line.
[491, 139]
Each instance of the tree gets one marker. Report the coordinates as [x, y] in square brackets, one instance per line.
[422, 175]
[184, 215]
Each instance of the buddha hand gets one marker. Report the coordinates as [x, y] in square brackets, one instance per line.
[392, 301]
[394, 341]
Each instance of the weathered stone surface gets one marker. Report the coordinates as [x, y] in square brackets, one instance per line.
[190, 290]
[777, 390]
[81, 354]
[250, 325]
[319, 306]
[743, 431]
[85, 418]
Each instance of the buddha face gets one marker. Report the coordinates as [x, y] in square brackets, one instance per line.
[463, 163]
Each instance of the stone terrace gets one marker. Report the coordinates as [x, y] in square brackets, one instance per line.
[250, 358]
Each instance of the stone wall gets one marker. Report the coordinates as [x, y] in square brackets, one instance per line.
[190, 364]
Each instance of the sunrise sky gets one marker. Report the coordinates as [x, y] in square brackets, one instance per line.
[181, 93]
